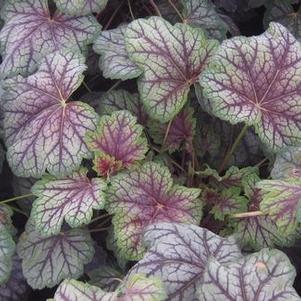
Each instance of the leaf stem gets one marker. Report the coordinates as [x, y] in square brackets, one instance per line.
[99, 230]
[97, 218]
[113, 15]
[156, 8]
[234, 146]
[114, 86]
[16, 198]
[166, 135]
[87, 87]
[130, 9]
[176, 10]
[248, 214]
[18, 210]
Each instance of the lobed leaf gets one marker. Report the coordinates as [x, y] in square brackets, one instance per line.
[31, 32]
[144, 197]
[47, 261]
[255, 80]
[43, 129]
[114, 60]
[178, 254]
[117, 143]
[71, 199]
[264, 276]
[80, 7]
[171, 57]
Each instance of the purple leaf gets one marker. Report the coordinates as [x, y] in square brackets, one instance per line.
[31, 32]
[71, 199]
[171, 57]
[117, 143]
[43, 129]
[47, 261]
[80, 7]
[144, 197]
[179, 253]
[255, 80]
[264, 276]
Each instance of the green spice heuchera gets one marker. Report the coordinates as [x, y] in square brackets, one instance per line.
[153, 148]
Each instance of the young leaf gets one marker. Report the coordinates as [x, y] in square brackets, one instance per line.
[171, 57]
[7, 244]
[71, 199]
[179, 253]
[16, 287]
[114, 61]
[287, 164]
[266, 275]
[137, 288]
[147, 196]
[46, 261]
[117, 100]
[180, 134]
[255, 80]
[80, 7]
[281, 201]
[31, 32]
[44, 130]
[118, 143]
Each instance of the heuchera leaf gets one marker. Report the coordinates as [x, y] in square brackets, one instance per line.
[7, 244]
[255, 80]
[114, 60]
[116, 100]
[147, 196]
[281, 201]
[264, 276]
[180, 134]
[178, 254]
[31, 32]
[287, 164]
[80, 7]
[117, 143]
[44, 130]
[172, 57]
[71, 199]
[16, 287]
[46, 261]
[136, 288]
[283, 12]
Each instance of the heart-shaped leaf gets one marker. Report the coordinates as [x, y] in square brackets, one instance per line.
[71, 199]
[15, 288]
[147, 196]
[179, 253]
[114, 60]
[136, 288]
[31, 32]
[46, 261]
[118, 143]
[171, 57]
[264, 276]
[80, 7]
[281, 200]
[255, 80]
[44, 130]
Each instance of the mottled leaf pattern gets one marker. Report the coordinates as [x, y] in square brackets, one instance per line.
[255, 80]
[80, 7]
[114, 60]
[47, 261]
[16, 288]
[287, 164]
[281, 200]
[71, 199]
[30, 33]
[178, 254]
[147, 196]
[117, 143]
[171, 57]
[264, 276]
[136, 288]
[44, 130]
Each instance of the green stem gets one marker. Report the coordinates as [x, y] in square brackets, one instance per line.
[99, 230]
[113, 16]
[114, 86]
[176, 10]
[16, 198]
[99, 218]
[130, 9]
[166, 136]
[87, 87]
[18, 210]
[154, 5]
[234, 146]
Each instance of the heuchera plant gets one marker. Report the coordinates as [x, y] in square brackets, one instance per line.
[150, 150]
